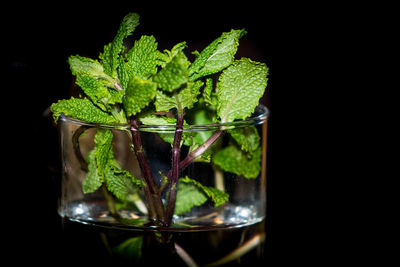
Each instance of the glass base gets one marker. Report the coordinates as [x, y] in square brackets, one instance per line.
[229, 216]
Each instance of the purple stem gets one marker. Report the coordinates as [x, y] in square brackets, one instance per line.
[200, 150]
[176, 153]
[155, 205]
[197, 152]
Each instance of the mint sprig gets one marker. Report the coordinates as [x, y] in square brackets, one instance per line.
[112, 51]
[143, 85]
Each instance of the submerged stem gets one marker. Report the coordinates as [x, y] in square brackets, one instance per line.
[201, 149]
[110, 201]
[153, 196]
[75, 142]
[219, 179]
[197, 152]
[176, 153]
[155, 205]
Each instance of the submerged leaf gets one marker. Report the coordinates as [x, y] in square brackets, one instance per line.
[247, 137]
[192, 193]
[93, 179]
[104, 168]
[121, 182]
[188, 196]
[233, 159]
[103, 147]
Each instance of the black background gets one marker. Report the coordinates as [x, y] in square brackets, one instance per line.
[38, 40]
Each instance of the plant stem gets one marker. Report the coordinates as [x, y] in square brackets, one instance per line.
[201, 149]
[110, 201]
[75, 141]
[197, 152]
[155, 205]
[176, 153]
[219, 178]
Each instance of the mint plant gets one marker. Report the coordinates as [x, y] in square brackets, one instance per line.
[145, 86]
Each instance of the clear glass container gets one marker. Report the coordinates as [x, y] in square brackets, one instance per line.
[244, 210]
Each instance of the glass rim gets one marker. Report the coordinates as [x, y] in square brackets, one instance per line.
[259, 117]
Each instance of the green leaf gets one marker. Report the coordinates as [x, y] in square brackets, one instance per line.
[208, 94]
[186, 97]
[107, 60]
[139, 94]
[97, 160]
[174, 74]
[83, 65]
[114, 165]
[103, 146]
[217, 55]
[93, 89]
[167, 56]
[157, 120]
[188, 196]
[123, 74]
[120, 182]
[142, 58]
[112, 51]
[233, 159]
[93, 179]
[191, 193]
[115, 97]
[247, 137]
[217, 196]
[239, 89]
[81, 109]
[103, 167]
[98, 92]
